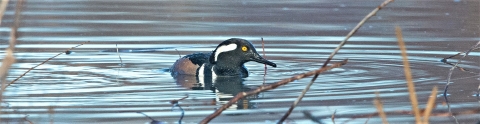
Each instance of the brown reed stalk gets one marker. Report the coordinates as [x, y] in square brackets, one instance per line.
[408, 75]
[3, 7]
[378, 103]
[350, 34]
[430, 105]
[9, 58]
[45, 62]
[269, 87]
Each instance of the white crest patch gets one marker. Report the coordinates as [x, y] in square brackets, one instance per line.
[225, 48]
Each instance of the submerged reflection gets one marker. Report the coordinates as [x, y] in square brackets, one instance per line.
[224, 87]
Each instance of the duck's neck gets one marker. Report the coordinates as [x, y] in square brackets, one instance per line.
[230, 69]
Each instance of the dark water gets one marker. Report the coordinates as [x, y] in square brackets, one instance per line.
[90, 85]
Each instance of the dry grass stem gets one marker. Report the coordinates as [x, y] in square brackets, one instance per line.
[9, 58]
[45, 62]
[379, 106]
[437, 114]
[430, 105]
[408, 74]
[269, 87]
[3, 7]
[350, 34]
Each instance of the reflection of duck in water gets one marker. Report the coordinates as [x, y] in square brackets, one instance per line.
[224, 87]
[220, 71]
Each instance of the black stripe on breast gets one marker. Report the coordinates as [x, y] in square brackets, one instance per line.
[198, 58]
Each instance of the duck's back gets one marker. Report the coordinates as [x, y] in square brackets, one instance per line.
[189, 64]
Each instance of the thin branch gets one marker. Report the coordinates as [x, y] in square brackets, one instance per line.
[299, 98]
[179, 56]
[153, 120]
[181, 109]
[121, 62]
[25, 118]
[450, 75]
[456, 64]
[269, 87]
[333, 116]
[309, 115]
[265, 65]
[45, 62]
[408, 75]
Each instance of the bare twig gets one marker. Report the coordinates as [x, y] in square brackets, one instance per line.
[333, 116]
[25, 118]
[450, 75]
[153, 120]
[460, 68]
[350, 34]
[450, 110]
[456, 64]
[179, 56]
[121, 62]
[379, 106]
[309, 115]
[265, 65]
[181, 109]
[45, 62]
[430, 105]
[269, 87]
[175, 103]
[366, 122]
[408, 75]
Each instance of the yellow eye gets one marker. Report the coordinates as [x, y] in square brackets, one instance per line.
[244, 48]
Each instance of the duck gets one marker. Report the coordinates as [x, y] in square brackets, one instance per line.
[227, 59]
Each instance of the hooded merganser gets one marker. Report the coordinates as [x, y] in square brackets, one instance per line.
[226, 60]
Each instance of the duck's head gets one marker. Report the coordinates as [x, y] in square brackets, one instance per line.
[237, 51]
